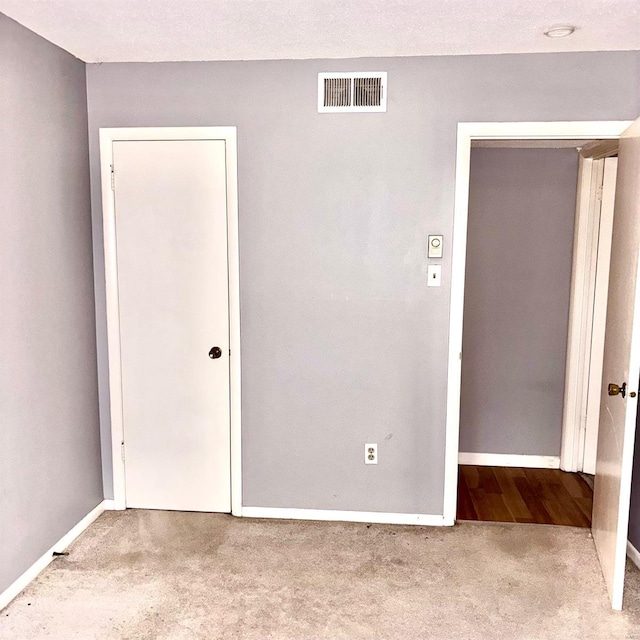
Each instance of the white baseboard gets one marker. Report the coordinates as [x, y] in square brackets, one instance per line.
[634, 554]
[373, 517]
[509, 460]
[112, 505]
[32, 572]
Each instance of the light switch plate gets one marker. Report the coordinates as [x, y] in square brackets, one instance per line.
[435, 247]
[434, 273]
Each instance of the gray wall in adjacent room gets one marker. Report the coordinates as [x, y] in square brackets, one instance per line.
[516, 304]
[342, 342]
[49, 422]
[634, 512]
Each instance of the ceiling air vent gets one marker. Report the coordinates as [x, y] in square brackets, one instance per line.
[352, 92]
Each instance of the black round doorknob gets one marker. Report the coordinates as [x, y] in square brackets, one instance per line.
[215, 352]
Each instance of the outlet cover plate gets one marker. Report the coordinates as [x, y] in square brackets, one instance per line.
[371, 453]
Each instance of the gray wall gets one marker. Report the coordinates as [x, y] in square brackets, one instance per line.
[49, 425]
[634, 512]
[519, 253]
[342, 342]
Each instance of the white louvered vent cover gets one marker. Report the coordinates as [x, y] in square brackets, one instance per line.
[352, 92]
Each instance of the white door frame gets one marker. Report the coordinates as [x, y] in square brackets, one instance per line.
[587, 311]
[589, 443]
[107, 138]
[585, 252]
[467, 132]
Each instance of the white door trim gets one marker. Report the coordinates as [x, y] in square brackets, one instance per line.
[581, 312]
[601, 285]
[107, 138]
[587, 312]
[467, 132]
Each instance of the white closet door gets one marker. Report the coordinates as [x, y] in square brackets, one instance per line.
[170, 205]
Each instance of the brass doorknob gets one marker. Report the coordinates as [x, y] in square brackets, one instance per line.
[614, 389]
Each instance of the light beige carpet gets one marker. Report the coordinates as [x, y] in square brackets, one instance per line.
[146, 574]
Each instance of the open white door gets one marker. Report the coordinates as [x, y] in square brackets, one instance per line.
[621, 368]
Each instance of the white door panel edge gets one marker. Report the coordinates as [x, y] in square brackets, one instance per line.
[587, 312]
[590, 173]
[621, 364]
[227, 136]
[467, 132]
[594, 377]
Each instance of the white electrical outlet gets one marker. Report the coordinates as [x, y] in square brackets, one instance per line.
[371, 453]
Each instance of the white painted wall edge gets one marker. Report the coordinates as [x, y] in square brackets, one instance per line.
[634, 554]
[509, 460]
[372, 517]
[43, 562]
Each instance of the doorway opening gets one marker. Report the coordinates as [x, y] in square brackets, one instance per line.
[538, 248]
[614, 451]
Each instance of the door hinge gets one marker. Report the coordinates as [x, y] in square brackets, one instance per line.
[113, 179]
[229, 351]
[122, 450]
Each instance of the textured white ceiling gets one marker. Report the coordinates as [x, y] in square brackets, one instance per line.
[161, 30]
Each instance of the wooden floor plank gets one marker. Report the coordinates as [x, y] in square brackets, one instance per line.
[471, 476]
[466, 510]
[586, 506]
[543, 483]
[559, 501]
[490, 507]
[533, 501]
[566, 512]
[510, 494]
[576, 486]
[516, 505]
[488, 480]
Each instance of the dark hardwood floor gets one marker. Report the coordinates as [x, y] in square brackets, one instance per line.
[510, 494]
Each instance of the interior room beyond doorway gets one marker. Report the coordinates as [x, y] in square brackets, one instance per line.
[517, 327]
